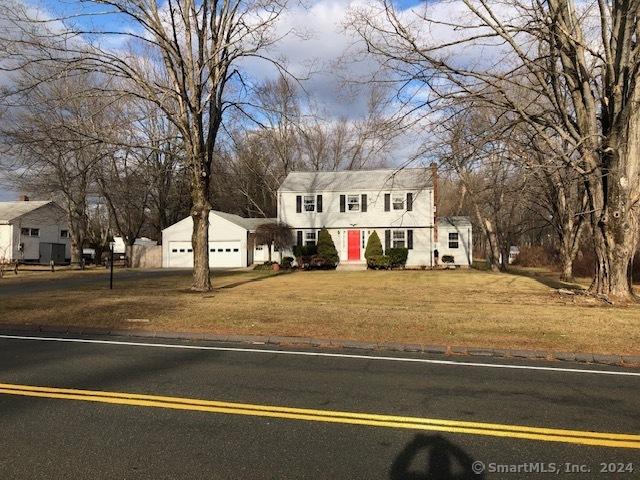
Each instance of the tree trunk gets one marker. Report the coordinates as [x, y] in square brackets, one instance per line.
[200, 236]
[269, 247]
[615, 221]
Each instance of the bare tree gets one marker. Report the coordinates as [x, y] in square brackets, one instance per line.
[274, 235]
[566, 69]
[184, 57]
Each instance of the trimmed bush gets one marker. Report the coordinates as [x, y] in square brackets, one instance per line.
[447, 259]
[374, 246]
[326, 247]
[287, 262]
[264, 266]
[379, 262]
[398, 256]
[305, 250]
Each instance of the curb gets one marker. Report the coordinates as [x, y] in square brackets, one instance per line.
[284, 341]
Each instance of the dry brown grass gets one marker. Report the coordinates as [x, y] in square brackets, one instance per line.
[430, 307]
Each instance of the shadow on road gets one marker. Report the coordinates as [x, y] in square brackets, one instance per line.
[433, 457]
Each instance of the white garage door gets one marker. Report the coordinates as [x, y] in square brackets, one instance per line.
[221, 254]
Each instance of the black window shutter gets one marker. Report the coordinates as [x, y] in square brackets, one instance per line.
[387, 202]
[363, 201]
[409, 201]
[410, 239]
[387, 240]
[299, 204]
[343, 202]
[299, 239]
[319, 203]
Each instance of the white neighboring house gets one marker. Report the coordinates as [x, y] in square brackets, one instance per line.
[455, 240]
[397, 204]
[231, 242]
[34, 232]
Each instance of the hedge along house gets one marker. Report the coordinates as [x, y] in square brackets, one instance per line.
[34, 232]
[398, 204]
[231, 242]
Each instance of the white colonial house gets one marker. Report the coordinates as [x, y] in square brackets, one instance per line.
[231, 242]
[398, 204]
[34, 232]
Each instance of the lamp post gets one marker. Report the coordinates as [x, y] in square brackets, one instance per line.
[111, 245]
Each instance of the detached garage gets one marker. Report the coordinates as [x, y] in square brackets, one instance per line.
[230, 241]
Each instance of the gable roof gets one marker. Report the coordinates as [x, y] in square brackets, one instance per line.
[247, 223]
[11, 210]
[453, 221]
[350, 180]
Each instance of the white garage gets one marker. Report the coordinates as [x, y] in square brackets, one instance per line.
[230, 241]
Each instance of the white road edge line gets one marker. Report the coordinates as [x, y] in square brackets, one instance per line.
[321, 354]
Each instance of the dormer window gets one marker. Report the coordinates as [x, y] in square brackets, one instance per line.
[398, 201]
[309, 203]
[353, 203]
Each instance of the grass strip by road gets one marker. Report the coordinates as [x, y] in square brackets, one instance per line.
[600, 439]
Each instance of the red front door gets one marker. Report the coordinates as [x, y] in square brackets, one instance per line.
[353, 245]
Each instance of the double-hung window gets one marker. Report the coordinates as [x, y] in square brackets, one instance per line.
[397, 199]
[310, 238]
[309, 203]
[398, 239]
[30, 232]
[453, 240]
[353, 203]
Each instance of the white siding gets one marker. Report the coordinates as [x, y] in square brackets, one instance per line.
[50, 220]
[6, 243]
[220, 230]
[462, 255]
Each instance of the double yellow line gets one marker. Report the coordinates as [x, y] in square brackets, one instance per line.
[390, 421]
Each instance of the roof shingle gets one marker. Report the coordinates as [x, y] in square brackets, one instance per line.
[351, 180]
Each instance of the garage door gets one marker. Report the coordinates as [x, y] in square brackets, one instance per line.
[221, 255]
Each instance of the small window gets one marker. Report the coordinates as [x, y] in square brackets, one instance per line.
[397, 199]
[353, 202]
[64, 233]
[235, 250]
[259, 248]
[453, 240]
[309, 203]
[182, 250]
[24, 231]
[174, 250]
[310, 238]
[212, 250]
[189, 250]
[220, 250]
[35, 232]
[363, 246]
[398, 239]
[228, 250]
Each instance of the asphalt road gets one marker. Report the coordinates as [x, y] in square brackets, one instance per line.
[52, 437]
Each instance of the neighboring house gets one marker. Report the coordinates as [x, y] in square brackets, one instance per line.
[397, 204]
[34, 232]
[454, 239]
[231, 242]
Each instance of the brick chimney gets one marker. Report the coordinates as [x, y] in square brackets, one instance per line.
[436, 199]
[23, 198]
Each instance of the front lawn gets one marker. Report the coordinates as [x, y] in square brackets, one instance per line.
[462, 307]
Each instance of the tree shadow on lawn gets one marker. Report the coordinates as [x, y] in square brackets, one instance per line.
[545, 279]
[253, 280]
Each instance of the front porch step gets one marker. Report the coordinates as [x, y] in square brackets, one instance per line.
[351, 266]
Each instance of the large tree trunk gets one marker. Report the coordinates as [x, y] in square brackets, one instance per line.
[615, 199]
[200, 237]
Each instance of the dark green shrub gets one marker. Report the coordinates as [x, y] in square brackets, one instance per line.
[447, 259]
[379, 262]
[287, 262]
[305, 250]
[398, 257]
[374, 246]
[326, 247]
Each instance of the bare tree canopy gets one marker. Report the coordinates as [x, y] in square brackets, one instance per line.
[565, 69]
